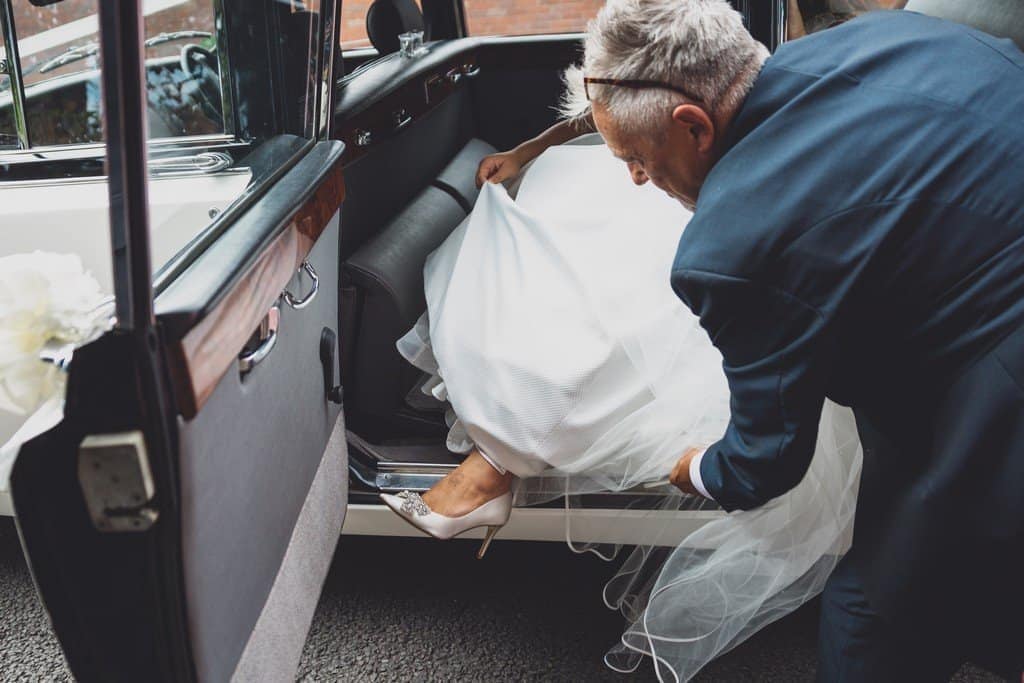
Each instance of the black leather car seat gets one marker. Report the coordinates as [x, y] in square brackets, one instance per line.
[1002, 18]
[384, 291]
[387, 18]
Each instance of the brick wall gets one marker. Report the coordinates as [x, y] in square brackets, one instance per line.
[353, 23]
[494, 17]
[489, 17]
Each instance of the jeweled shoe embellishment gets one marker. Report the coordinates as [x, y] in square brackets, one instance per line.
[413, 504]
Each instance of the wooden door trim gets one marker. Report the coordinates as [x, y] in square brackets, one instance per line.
[198, 360]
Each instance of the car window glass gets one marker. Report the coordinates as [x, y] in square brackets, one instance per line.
[529, 17]
[58, 48]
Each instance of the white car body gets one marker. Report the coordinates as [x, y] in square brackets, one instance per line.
[79, 223]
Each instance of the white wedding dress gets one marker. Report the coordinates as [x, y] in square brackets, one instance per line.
[567, 359]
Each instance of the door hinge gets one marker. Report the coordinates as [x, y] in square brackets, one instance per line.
[117, 482]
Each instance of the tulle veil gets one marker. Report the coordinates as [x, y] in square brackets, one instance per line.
[685, 600]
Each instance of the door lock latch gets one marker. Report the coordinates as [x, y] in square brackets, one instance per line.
[116, 481]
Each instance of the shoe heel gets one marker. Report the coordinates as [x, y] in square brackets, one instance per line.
[491, 533]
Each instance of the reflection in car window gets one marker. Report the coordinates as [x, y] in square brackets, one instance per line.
[59, 55]
[216, 148]
[274, 71]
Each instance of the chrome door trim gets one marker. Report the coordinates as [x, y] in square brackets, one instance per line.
[299, 304]
[268, 335]
[91, 150]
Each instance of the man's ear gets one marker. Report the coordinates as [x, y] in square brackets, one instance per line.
[698, 124]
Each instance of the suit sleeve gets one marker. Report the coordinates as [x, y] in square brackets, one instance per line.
[776, 354]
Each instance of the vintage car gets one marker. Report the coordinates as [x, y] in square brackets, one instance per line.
[263, 251]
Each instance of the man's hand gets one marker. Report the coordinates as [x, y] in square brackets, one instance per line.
[497, 168]
[680, 476]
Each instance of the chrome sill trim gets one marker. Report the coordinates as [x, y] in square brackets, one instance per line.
[99, 149]
[594, 525]
[102, 179]
[414, 467]
[395, 476]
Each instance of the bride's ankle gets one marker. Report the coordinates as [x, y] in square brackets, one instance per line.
[483, 477]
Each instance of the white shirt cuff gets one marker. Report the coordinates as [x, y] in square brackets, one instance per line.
[695, 478]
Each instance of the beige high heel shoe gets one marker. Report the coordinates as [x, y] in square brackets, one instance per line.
[493, 514]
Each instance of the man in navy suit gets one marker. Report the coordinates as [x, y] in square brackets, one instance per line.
[858, 235]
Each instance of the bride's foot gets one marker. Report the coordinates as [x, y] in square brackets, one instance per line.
[473, 495]
[467, 487]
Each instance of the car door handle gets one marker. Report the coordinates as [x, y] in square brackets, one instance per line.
[299, 304]
[268, 335]
[204, 162]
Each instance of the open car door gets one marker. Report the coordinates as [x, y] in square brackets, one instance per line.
[180, 520]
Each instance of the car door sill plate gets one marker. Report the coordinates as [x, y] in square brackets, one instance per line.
[626, 527]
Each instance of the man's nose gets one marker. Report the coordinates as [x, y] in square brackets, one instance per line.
[638, 175]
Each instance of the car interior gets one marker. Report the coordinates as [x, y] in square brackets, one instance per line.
[415, 131]
[179, 521]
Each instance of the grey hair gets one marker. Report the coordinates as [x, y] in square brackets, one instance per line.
[700, 46]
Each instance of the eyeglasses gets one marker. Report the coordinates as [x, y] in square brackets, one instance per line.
[636, 85]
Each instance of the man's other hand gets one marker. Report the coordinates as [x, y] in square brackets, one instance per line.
[680, 476]
[497, 168]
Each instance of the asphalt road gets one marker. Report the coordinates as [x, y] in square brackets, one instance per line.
[416, 609]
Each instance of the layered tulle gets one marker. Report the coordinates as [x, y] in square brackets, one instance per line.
[552, 331]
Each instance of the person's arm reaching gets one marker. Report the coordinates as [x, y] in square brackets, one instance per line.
[497, 168]
[777, 351]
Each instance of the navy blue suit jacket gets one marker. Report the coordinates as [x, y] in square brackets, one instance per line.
[862, 239]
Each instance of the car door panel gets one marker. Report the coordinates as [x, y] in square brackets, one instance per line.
[101, 591]
[274, 649]
[209, 313]
[259, 484]
[259, 438]
[181, 518]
